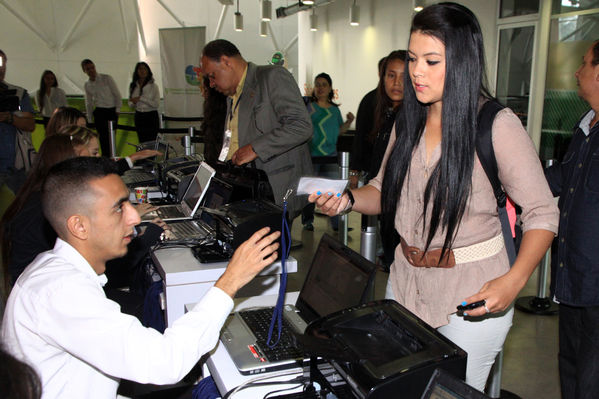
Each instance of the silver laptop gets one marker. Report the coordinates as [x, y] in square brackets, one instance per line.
[191, 199]
[139, 176]
[338, 278]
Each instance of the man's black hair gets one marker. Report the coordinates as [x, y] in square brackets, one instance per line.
[217, 48]
[85, 62]
[66, 189]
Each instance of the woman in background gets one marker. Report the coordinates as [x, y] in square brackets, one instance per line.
[144, 96]
[328, 124]
[49, 96]
[25, 231]
[433, 187]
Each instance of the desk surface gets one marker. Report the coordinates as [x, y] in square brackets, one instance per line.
[224, 372]
[179, 266]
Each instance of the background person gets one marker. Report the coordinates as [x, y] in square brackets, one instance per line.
[49, 96]
[213, 124]
[12, 167]
[64, 116]
[58, 319]
[102, 102]
[574, 267]
[327, 124]
[362, 148]
[440, 199]
[267, 121]
[144, 96]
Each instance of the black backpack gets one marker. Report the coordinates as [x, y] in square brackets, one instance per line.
[486, 155]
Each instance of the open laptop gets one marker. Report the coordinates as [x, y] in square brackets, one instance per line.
[338, 278]
[191, 199]
[444, 385]
[148, 175]
[203, 225]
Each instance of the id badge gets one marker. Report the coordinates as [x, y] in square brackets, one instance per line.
[226, 145]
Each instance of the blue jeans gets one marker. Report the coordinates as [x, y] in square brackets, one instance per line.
[579, 351]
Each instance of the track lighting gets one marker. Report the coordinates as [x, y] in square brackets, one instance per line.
[354, 14]
[263, 28]
[266, 10]
[238, 19]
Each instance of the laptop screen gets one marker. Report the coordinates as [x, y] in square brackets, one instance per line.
[197, 188]
[338, 279]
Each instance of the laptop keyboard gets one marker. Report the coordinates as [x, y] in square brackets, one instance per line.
[188, 230]
[258, 320]
[170, 212]
[137, 176]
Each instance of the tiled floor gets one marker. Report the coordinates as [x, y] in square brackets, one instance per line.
[530, 352]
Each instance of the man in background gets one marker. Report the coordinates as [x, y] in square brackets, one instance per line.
[575, 264]
[102, 102]
[16, 113]
[267, 124]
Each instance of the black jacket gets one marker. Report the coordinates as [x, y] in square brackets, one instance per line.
[575, 263]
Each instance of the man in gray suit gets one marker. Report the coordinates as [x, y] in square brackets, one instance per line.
[267, 122]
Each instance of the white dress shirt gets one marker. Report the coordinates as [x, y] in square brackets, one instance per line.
[102, 93]
[149, 99]
[58, 320]
[56, 99]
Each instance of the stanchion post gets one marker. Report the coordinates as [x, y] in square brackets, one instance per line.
[494, 389]
[368, 237]
[192, 146]
[112, 138]
[187, 145]
[344, 174]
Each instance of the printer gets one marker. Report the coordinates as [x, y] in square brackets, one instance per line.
[381, 350]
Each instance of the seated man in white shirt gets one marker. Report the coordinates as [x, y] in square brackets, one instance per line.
[57, 318]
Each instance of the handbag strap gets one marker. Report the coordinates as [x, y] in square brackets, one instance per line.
[486, 155]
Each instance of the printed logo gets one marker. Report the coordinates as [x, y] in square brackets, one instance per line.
[193, 75]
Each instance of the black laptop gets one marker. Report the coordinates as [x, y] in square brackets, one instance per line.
[338, 278]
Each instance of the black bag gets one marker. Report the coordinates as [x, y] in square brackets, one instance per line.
[248, 182]
[486, 155]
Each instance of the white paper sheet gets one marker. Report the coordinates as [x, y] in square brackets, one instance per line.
[309, 185]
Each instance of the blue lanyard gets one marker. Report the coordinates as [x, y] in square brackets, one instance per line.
[277, 314]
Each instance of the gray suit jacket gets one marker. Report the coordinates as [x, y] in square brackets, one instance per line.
[274, 120]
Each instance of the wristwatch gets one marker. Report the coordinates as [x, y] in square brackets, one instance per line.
[350, 203]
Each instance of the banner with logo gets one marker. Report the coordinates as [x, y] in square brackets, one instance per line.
[180, 51]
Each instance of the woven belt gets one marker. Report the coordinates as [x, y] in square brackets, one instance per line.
[417, 257]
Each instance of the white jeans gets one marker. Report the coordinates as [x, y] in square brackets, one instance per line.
[481, 337]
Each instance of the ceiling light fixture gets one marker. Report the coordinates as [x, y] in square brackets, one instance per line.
[266, 10]
[354, 15]
[307, 2]
[418, 5]
[238, 19]
[313, 21]
[263, 28]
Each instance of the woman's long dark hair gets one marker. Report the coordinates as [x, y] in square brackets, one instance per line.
[53, 150]
[383, 101]
[135, 78]
[449, 185]
[326, 77]
[213, 124]
[42, 91]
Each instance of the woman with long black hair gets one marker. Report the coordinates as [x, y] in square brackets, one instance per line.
[144, 96]
[433, 187]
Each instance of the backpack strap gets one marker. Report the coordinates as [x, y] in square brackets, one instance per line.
[486, 156]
